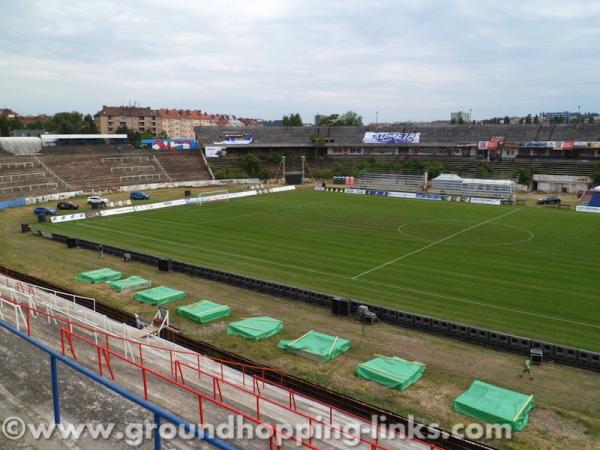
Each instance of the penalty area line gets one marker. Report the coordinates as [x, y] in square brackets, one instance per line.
[419, 250]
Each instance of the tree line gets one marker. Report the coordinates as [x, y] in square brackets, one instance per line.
[60, 123]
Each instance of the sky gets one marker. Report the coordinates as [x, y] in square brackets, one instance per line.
[405, 60]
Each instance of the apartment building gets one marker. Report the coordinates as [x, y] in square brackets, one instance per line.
[180, 123]
[175, 123]
[110, 118]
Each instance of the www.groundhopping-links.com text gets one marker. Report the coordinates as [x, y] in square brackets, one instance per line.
[237, 429]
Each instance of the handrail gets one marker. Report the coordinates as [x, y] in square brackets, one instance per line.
[107, 352]
[157, 410]
[144, 344]
[258, 396]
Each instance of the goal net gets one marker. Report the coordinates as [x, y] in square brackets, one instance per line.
[213, 196]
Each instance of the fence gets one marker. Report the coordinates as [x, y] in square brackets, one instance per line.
[159, 413]
[217, 385]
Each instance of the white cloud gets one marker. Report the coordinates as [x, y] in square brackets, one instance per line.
[407, 59]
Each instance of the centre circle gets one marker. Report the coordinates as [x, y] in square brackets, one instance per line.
[465, 232]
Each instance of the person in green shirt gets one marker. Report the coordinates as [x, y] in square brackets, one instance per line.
[527, 369]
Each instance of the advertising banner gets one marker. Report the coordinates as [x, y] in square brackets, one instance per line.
[485, 201]
[242, 194]
[236, 140]
[282, 189]
[67, 217]
[391, 138]
[215, 152]
[402, 194]
[115, 211]
[356, 191]
[429, 196]
[592, 209]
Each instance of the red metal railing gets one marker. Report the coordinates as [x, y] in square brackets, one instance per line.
[257, 373]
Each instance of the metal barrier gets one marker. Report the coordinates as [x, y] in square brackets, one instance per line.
[159, 413]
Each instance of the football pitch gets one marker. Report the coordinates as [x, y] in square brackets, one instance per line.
[522, 270]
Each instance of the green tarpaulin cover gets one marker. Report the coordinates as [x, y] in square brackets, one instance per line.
[320, 345]
[99, 275]
[204, 311]
[159, 295]
[130, 284]
[392, 372]
[255, 328]
[494, 404]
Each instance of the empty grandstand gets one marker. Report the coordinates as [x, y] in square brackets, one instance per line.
[391, 182]
[546, 149]
[65, 163]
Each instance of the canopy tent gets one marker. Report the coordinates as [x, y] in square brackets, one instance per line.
[99, 275]
[204, 311]
[255, 328]
[495, 405]
[391, 372]
[315, 344]
[159, 295]
[130, 284]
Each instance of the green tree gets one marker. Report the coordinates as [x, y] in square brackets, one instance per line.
[134, 137]
[293, 120]
[251, 164]
[89, 125]
[435, 168]
[348, 119]
[506, 120]
[328, 120]
[483, 171]
[523, 176]
[9, 124]
[536, 119]
[460, 120]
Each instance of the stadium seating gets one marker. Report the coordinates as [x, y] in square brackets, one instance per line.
[86, 167]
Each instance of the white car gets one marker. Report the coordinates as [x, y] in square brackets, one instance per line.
[96, 200]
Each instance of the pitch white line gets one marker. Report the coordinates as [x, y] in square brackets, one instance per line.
[433, 243]
[343, 277]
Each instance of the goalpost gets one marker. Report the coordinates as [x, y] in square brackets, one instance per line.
[212, 196]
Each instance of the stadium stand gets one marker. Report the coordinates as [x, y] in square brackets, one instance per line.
[560, 149]
[94, 167]
[390, 182]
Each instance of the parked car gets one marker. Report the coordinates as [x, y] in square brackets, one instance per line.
[44, 211]
[67, 205]
[139, 195]
[95, 201]
[549, 200]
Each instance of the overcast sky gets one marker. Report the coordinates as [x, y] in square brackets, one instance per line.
[406, 59]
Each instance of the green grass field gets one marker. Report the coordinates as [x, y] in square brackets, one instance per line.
[521, 270]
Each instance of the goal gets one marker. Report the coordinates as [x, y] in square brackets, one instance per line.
[213, 196]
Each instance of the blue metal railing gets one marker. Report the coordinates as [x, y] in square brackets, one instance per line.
[158, 411]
